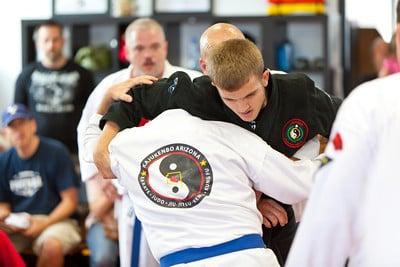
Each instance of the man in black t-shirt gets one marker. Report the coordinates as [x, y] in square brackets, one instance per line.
[54, 88]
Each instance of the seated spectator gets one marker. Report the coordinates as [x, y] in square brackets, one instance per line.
[38, 190]
[390, 64]
[9, 257]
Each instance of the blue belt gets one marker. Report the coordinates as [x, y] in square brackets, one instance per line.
[137, 233]
[195, 254]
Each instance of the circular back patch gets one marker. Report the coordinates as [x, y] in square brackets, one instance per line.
[176, 176]
[294, 133]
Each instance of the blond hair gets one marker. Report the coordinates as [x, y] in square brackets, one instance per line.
[143, 24]
[232, 63]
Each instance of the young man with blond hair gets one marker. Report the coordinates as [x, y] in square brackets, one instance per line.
[286, 110]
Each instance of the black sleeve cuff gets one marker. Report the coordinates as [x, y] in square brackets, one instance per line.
[120, 113]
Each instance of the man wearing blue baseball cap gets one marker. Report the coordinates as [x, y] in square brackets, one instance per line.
[38, 190]
[13, 112]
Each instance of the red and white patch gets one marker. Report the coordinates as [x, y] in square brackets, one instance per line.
[337, 142]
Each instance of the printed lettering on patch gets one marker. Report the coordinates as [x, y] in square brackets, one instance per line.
[176, 176]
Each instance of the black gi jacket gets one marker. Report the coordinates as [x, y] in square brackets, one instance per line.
[296, 110]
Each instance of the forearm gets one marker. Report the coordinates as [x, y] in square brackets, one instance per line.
[99, 203]
[109, 132]
[101, 154]
[68, 204]
[91, 137]
[104, 105]
[100, 207]
[323, 142]
[288, 181]
[5, 210]
[150, 100]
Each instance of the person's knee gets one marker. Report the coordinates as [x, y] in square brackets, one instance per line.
[102, 260]
[103, 251]
[103, 254]
[51, 247]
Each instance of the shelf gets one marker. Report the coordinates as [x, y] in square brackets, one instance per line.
[308, 70]
[184, 30]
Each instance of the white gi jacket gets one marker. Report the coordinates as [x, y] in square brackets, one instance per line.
[353, 208]
[88, 170]
[232, 160]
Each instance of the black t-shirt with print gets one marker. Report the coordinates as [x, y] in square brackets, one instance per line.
[56, 98]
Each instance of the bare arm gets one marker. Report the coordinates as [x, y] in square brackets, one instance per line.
[101, 155]
[99, 203]
[119, 91]
[5, 210]
[68, 204]
[273, 213]
[100, 152]
[323, 141]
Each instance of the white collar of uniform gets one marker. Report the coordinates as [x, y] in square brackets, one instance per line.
[167, 69]
[129, 71]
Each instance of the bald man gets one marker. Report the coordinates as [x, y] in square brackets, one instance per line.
[214, 35]
[279, 221]
[286, 127]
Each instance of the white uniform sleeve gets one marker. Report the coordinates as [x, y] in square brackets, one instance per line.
[90, 138]
[352, 124]
[89, 169]
[324, 237]
[270, 171]
[284, 179]
[309, 150]
[89, 141]
[122, 183]
[326, 233]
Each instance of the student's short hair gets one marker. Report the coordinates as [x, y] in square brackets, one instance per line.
[232, 62]
[47, 23]
[143, 24]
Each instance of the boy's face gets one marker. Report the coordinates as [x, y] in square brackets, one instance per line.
[248, 100]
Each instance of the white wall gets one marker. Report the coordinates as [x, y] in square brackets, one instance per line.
[10, 47]
[373, 14]
[240, 7]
